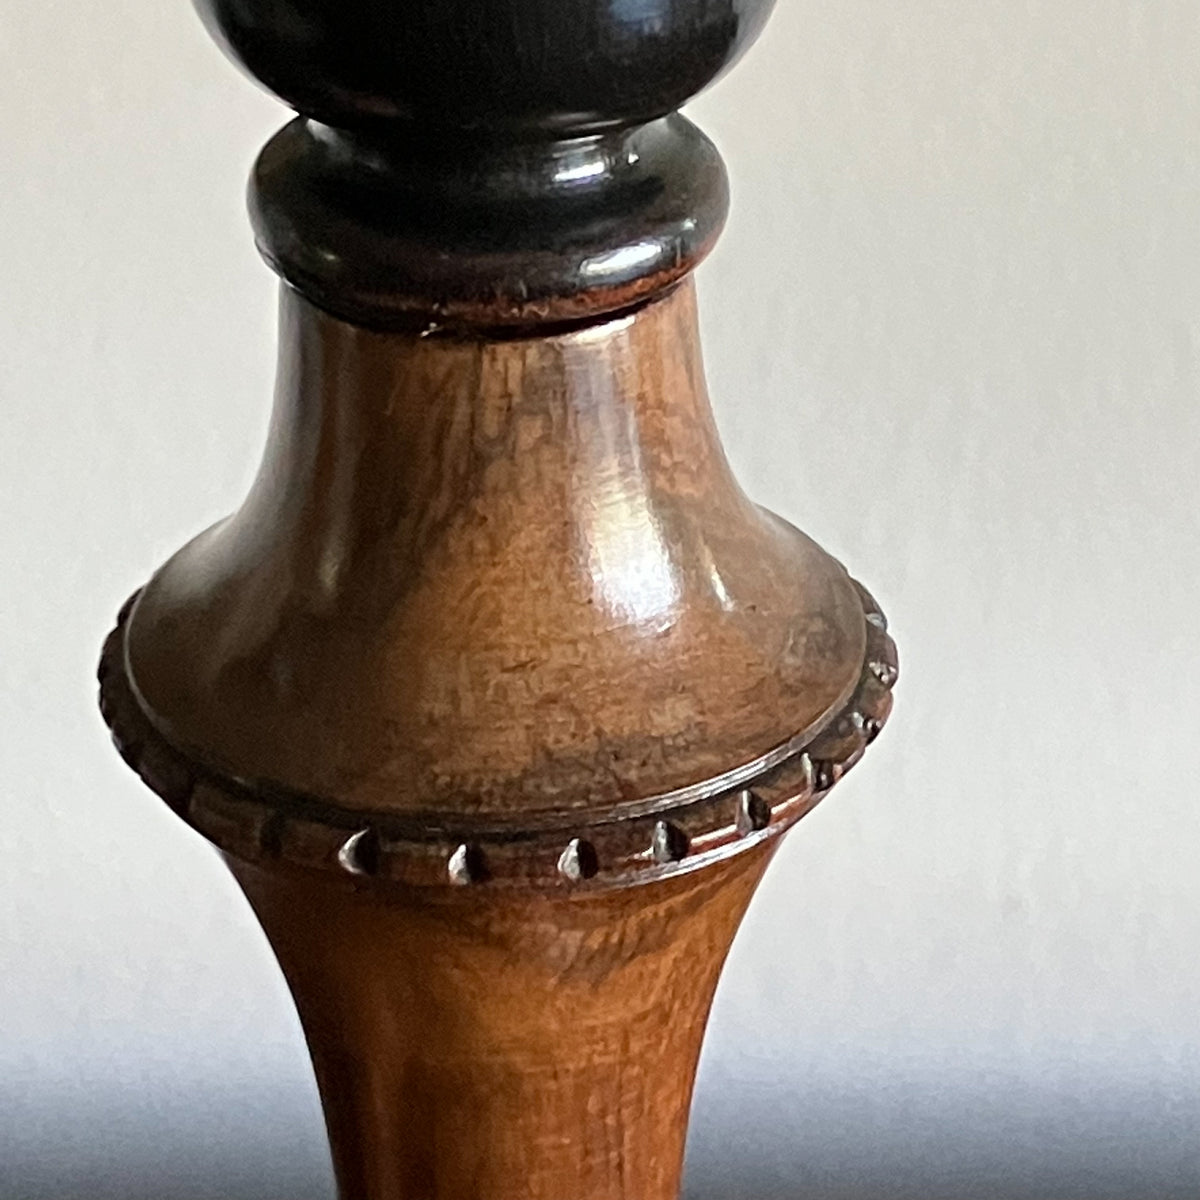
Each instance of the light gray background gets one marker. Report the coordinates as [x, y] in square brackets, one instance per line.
[953, 331]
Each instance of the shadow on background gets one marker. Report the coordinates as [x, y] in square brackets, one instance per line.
[188, 1142]
[874, 1138]
[215, 1186]
[1058, 1135]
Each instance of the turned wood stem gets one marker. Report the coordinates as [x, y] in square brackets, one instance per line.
[527, 1049]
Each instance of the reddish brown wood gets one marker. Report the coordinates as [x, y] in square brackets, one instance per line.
[518, 1048]
[498, 692]
[496, 615]
[501, 595]
[525, 561]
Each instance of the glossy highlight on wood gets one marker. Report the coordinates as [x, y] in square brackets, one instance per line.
[507, 163]
[526, 561]
[398, 232]
[497, 693]
[514, 1049]
[268, 824]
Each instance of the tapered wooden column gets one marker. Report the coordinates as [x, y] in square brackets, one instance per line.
[497, 692]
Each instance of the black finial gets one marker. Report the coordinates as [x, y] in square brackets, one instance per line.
[506, 67]
[486, 162]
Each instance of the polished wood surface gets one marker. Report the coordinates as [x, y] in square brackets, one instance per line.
[519, 1049]
[498, 692]
[496, 576]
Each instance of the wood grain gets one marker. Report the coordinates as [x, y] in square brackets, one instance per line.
[521, 1049]
[505, 577]
[497, 692]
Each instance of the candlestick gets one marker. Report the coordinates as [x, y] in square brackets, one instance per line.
[497, 693]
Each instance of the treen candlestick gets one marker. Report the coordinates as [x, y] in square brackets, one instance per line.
[497, 693]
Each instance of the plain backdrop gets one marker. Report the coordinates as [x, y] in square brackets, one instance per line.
[953, 331]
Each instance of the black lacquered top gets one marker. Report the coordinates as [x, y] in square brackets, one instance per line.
[562, 65]
[467, 164]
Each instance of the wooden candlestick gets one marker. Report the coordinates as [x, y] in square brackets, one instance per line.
[497, 693]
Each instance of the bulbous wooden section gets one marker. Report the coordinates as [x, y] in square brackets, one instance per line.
[500, 577]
